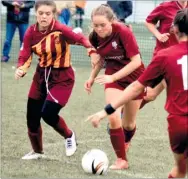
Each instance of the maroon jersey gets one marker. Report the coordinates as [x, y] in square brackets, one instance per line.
[117, 49]
[164, 14]
[51, 46]
[172, 65]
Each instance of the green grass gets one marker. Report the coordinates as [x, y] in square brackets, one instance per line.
[149, 155]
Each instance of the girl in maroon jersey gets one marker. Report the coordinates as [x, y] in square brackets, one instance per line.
[165, 37]
[54, 77]
[117, 47]
[170, 64]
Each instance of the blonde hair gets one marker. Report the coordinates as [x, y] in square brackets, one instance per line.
[104, 10]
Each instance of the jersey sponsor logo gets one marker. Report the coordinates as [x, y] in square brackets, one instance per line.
[120, 57]
[114, 44]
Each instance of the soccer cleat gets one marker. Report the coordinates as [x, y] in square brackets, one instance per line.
[33, 156]
[70, 145]
[127, 145]
[119, 164]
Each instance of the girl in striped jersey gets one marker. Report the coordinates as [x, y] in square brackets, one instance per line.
[54, 77]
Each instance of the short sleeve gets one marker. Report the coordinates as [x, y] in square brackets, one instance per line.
[156, 14]
[154, 73]
[129, 42]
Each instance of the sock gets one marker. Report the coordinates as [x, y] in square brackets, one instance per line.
[36, 140]
[117, 140]
[63, 129]
[170, 176]
[129, 134]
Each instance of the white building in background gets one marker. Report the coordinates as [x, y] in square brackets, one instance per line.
[141, 9]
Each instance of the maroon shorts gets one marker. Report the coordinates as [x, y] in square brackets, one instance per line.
[122, 87]
[60, 85]
[178, 134]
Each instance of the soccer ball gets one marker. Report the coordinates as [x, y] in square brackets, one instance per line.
[95, 161]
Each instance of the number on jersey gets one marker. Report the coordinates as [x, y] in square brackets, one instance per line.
[183, 62]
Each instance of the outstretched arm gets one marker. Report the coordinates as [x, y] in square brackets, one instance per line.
[129, 94]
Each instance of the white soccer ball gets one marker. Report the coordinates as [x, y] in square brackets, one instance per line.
[95, 161]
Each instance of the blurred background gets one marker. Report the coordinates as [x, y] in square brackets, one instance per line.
[140, 11]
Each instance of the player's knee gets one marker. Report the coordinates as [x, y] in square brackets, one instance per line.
[33, 126]
[50, 113]
[50, 118]
[115, 121]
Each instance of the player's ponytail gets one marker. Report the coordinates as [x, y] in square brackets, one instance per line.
[181, 21]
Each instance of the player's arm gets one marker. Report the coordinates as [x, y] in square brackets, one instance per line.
[129, 68]
[94, 72]
[132, 51]
[25, 55]
[130, 93]
[79, 39]
[151, 21]
[151, 77]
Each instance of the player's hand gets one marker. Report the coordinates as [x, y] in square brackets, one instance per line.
[88, 84]
[104, 79]
[16, 4]
[19, 73]
[96, 118]
[95, 59]
[163, 37]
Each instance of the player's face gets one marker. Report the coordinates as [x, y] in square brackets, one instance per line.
[102, 26]
[44, 16]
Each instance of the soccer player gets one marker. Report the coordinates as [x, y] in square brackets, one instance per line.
[54, 77]
[165, 37]
[172, 65]
[117, 46]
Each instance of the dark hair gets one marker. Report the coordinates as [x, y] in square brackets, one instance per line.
[39, 3]
[104, 10]
[181, 20]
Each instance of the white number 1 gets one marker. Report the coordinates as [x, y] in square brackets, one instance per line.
[183, 62]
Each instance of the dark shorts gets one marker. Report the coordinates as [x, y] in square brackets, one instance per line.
[60, 85]
[178, 134]
[120, 86]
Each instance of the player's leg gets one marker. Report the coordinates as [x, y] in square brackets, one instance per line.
[34, 108]
[116, 131]
[129, 120]
[61, 88]
[178, 136]
[179, 170]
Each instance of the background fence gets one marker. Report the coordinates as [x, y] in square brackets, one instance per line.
[144, 38]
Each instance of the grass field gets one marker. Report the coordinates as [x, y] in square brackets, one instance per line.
[149, 155]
